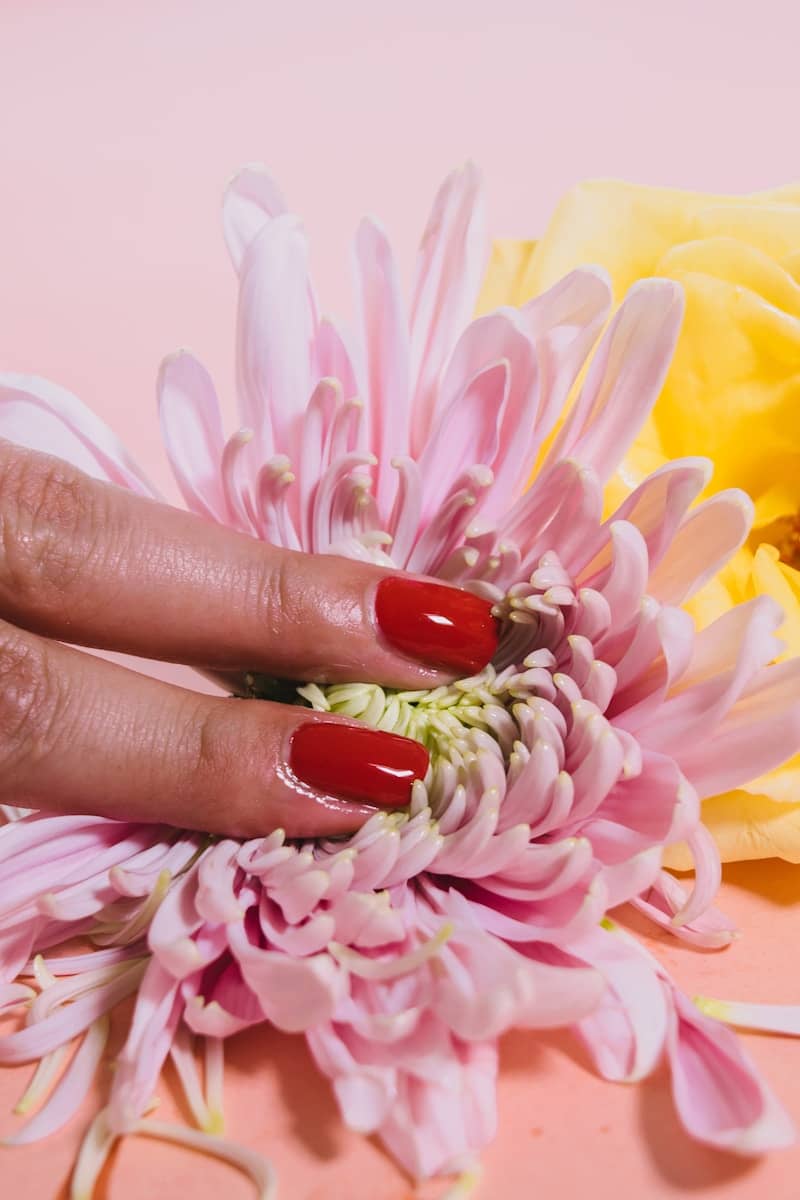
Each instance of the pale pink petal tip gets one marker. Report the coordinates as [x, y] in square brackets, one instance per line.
[251, 199]
[48, 418]
[766, 1018]
[720, 1097]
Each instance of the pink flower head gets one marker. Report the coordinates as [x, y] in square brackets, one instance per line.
[558, 774]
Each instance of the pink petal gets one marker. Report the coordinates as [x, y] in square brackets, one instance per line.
[170, 936]
[627, 879]
[155, 1019]
[295, 993]
[623, 583]
[45, 417]
[484, 988]
[332, 358]
[718, 1093]
[708, 876]
[725, 658]
[70, 1091]
[627, 1033]
[365, 1092]
[641, 809]
[709, 536]
[450, 266]
[437, 1128]
[191, 428]
[386, 354]
[251, 199]
[564, 323]
[761, 731]
[34, 1041]
[275, 335]
[766, 1018]
[221, 1006]
[624, 378]
[659, 504]
[465, 435]
[660, 902]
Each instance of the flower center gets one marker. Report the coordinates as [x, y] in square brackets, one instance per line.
[526, 745]
[535, 711]
[453, 722]
[784, 535]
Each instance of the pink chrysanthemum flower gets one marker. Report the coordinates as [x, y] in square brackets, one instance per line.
[558, 774]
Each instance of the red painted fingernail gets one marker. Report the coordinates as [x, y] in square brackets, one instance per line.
[356, 763]
[444, 627]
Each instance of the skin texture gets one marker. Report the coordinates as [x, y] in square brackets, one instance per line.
[90, 564]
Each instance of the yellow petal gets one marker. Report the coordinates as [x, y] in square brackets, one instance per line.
[628, 228]
[733, 585]
[746, 827]
[733, 392]
[509, 265]
[773, 578]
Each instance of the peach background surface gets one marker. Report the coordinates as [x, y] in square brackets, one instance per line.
[119, 124]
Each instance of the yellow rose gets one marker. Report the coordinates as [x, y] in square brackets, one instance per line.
[733, 394]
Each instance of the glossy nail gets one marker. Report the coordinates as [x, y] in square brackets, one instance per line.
[444, 627]
[356, 763]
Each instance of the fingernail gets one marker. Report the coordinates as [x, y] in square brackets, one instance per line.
[443, 627]
[356, 763]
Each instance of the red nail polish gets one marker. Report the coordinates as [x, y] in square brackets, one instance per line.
[356, 763]
[444, 627]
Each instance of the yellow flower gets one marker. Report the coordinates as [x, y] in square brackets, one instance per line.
[733, 394]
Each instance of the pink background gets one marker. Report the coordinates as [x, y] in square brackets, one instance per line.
[119, 125]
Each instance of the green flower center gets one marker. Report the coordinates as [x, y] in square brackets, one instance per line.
[451, 721]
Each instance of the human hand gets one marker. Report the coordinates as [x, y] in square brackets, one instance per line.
[88, 563]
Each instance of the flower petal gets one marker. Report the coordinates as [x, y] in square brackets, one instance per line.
[45, 417]
[718, 1093]
[191, 428]
[624, 378]
[251, 199]
[275, 335]
[450, 265]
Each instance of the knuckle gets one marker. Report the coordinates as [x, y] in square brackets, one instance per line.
[288, 601]
[274, 589]
[29, 698]
[228, 779]
[48, 516]
[215, 747]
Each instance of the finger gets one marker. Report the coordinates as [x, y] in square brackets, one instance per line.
[89, 563]
[79, 734]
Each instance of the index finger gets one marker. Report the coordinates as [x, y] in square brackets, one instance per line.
[87, 562]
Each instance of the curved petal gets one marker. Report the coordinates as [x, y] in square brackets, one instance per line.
[450, 266]
[191, 428]
[155, 1019]
[564, 323]
[385, 351]
[466, 435]
[275, 332]
[718, 1093]
[624, 378]
[627, 1033]
[43, 416]
[703, 543]
[295, 993]
[659, 504]
[485, 987]
[251, 199]
[760, 732]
